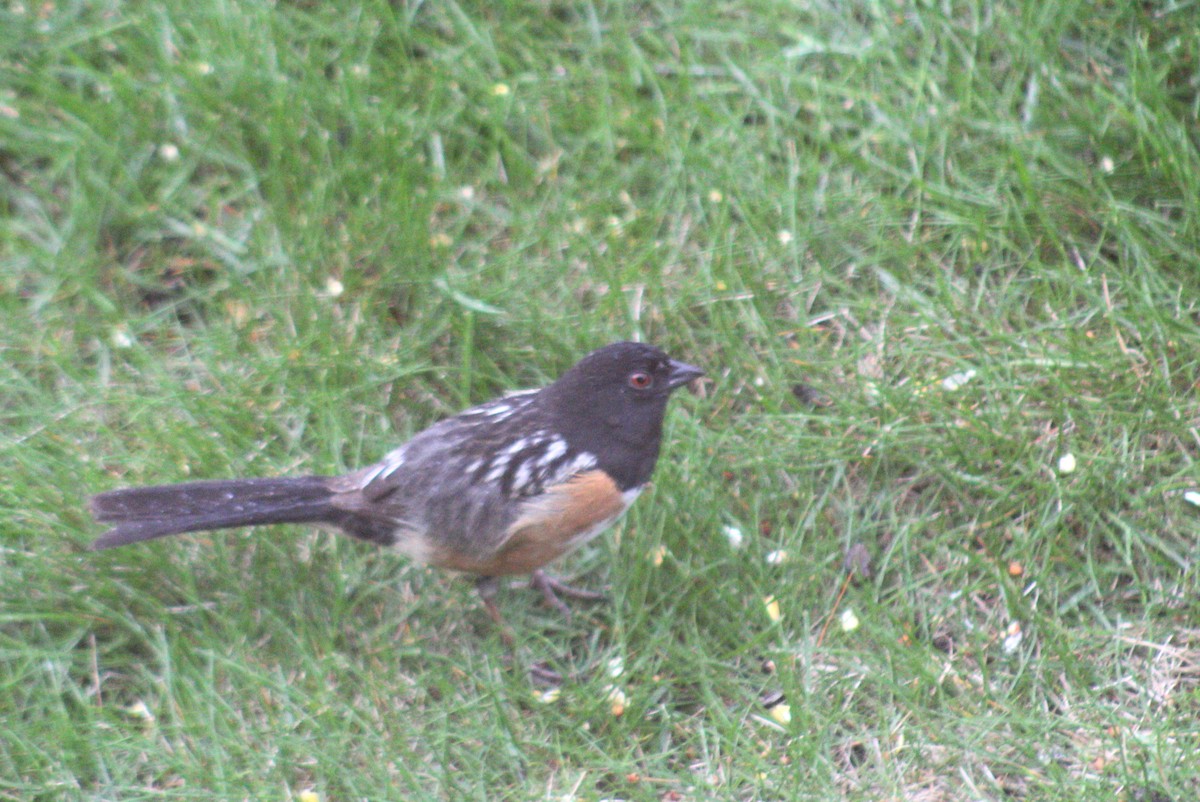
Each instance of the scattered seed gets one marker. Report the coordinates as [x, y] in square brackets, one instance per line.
[617, 700]
[956, 381]
[1012, 638]
[139, 710]
[849, 620]
[121, 338]
[615, 666]
[548, 696]
[772, 605]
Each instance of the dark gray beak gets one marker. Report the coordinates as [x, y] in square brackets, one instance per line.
[682, 373]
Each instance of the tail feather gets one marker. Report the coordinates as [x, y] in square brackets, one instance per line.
[144, 513]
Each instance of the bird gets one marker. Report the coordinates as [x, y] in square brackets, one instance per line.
[500, 489]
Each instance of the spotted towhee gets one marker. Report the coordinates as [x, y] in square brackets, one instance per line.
[499, 489]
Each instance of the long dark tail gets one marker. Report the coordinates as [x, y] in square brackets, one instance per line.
[144, 513]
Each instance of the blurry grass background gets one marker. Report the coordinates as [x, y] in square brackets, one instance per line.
[925, 250]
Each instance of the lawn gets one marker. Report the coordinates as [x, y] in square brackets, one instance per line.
[938, 493]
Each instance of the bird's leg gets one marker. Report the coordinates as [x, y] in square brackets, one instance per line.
[551, 588]
[487, 587]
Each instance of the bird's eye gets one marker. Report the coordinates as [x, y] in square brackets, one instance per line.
[640, 380]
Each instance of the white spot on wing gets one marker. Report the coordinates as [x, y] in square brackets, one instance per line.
[502, 408]
[583, 461]
[501, 461]
[519, 446]
[498, 468]
[521, 480]
[372, 475]
[392, 463]
[556, 449]
[385, 467]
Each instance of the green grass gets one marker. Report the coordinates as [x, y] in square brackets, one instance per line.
[862, 197]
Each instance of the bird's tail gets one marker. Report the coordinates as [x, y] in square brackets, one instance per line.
[144, 513]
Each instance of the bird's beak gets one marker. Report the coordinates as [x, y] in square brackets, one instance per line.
[682, 373]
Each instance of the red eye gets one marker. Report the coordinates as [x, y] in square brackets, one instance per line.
[640, 381]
